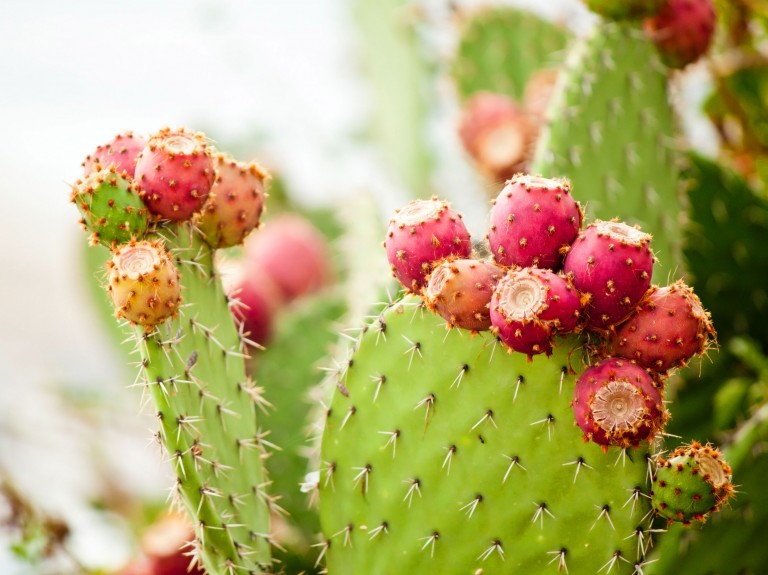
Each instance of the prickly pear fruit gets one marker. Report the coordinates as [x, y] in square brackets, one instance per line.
[682, 30]
[669, 327]
[254, 300]
[459, 290]
[616, 402]
[613, 263]
[420, 234]
[496, 133]
[693, 482]
[624, 9]
[165, 547]
[120, 151]
[143, 283]
[111, 207]
[530, 306]
[293, 253]
[176, 172]
[533, 220]
[235, 204]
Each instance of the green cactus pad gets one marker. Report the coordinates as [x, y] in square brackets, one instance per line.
[624, 9]
[444, 454]
[111, 207]
[501, 47]
[194, 370]
[611, 134]
[692, 483]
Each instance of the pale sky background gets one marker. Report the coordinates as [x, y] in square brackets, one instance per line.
[73, 74]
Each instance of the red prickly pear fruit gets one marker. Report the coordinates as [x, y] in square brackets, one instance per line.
[143, 283]
[668, 328]
[617, 402]
[121, 151]
[459, 290]
[165, 550]
[175, 170]
[682, 30]
[530, 306]
[692, 483]
[497, 134]
[624, 9]
[420, 234]
[611, 264]
[255, 299]
[235, 204]
[293, 253]
[533, 221]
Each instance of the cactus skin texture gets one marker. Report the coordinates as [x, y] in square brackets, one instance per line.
[143, 283]
[612, 131]
[120, 151]
[612, 263]
[421, 233]
[682, 30]
[624, 9]
[111, 207]
[692, 483]
[236, 202]
[443, 455]
[667, 329]
[618, 403]
[460, 290]
[176, 173]
[533, 221]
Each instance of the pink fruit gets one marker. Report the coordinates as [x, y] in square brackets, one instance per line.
[530, 306]
[120, 151]
[682, 30]
[143, 283]
[419, 235]
[618, 403]
[533, 221]
[293, 253]
[176, 173]
[255, 299]
[611, 263]
[497, 134]
[165, 550]
[669, 327]
[235, 204]
[460, 290]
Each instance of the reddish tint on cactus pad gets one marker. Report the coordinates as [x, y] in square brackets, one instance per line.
[533, 221]
[420, 234]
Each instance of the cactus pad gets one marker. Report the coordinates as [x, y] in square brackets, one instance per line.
[443, 454]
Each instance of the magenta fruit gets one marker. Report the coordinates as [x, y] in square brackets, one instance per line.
[669, 327]
[497, 134]
[255, 300]
[143, 283]
[293, 253]
[682, 30]
[459, 290]
[618, 403]
[611, 263]
[235, 204]
[421, 233]
[533, 221]
[121, 151]
[530, 306]
[176, 173]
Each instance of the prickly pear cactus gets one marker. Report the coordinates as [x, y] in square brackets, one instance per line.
[611, 132]
[442, 453]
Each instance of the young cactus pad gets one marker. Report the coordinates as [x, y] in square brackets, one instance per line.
[193, 367]
[443, 454]
[611, 132]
